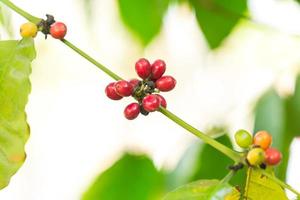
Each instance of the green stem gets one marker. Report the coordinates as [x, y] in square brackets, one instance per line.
[222, 148]
[279, 182]
[92, 60]
[23, 13]
[228, 177]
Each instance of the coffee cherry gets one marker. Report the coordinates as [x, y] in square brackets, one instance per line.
[58, 30]
[124, 88]
[143, 111]
[28, 29]
[158, 69]
[132, 111]
[256, 156]
[111, 93]
[243, 138]
[262, 139]
[151, 103]
[143, 68]
[162, 100]
[134, 82]
[273, 156]
[165, 83]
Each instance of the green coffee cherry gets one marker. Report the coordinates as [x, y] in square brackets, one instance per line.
[243, 138]
[256, 156]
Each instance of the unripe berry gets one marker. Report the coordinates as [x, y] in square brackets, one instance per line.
[134, 82]
[143, 68]
[243, 138]
[58, 30]
[124, 88]
[162, 100]
[132, 111]
[273, 156]
[28, 29]
[256, 156]
[158, 69]
[165, 83]
[151, 103]
[262, 139]
[111, 93]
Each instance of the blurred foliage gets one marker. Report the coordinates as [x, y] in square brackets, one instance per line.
[15, 68]
[5, 20]
[203, 190]
[260, 187]
[143, 17]
[201, 161]
[280, 116]
[217, 18]
[133, 177]
[88, 6]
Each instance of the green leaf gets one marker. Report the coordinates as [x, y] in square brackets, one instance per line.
[143, 17]
[203, 190]
[260, 187]
[130, 178]
[15, 61]
[201, 161]
[293, 111]
[270, 116]
[217, 18]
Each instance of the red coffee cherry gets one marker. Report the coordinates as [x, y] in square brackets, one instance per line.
[273, 156]
[143, 68]
[158, 69]
[162, 100]
[58, 30]
[165, 83]
[151, 103]
[111, 93]
[134, 82]
[132, 111]
[124, 88]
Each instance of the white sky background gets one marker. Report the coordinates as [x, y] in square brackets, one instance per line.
[76, 131]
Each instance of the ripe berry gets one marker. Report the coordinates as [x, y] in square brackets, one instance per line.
[58, 30]
[162, 100]
[256, 156]
[124, 88]
[111, 93]
[134, 82]
[262, 139]
[143, 68]
[243, 138]
[158, 69]
[273, 156]
[143, 111]
[165, 83]
[151, 103]
[28, 29]
[132, 111]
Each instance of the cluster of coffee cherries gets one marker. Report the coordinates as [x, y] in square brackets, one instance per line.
[57, 30]
[259, 151]
[145, 91]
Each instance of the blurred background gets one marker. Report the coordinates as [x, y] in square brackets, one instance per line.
[223, 68]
